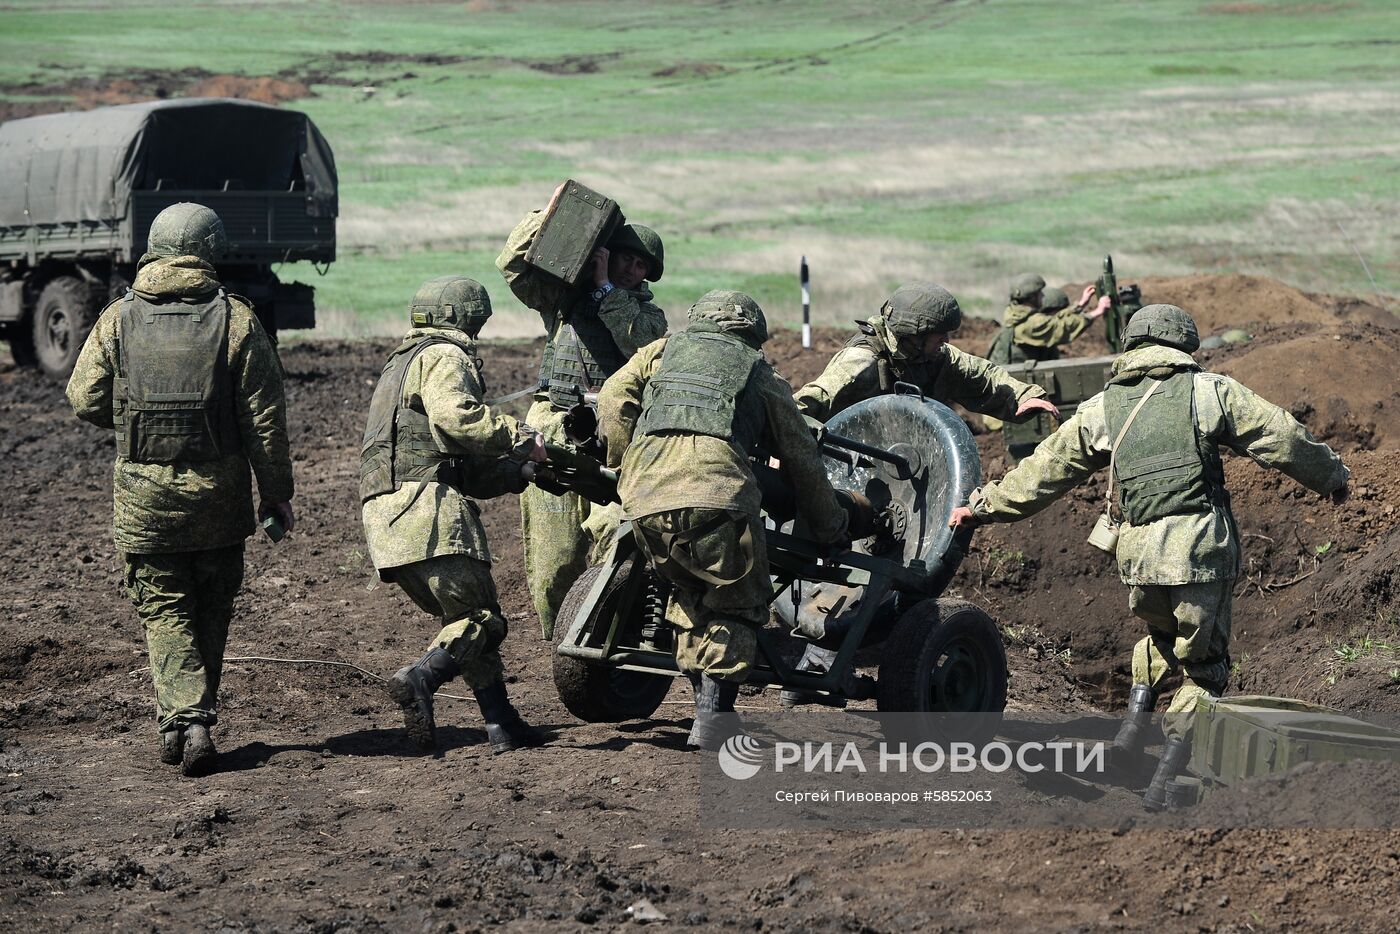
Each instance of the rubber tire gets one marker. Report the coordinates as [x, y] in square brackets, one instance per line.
[21, 341]
[63, 316]
[920, 644]
[597, 693]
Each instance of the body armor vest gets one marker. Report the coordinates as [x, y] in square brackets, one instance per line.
[884, 360]
[172, 392]
[1160, 467]
[580, 357]
[399, 446]
[702, 388]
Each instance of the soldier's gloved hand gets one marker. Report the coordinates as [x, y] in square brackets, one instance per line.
[1341, 494]
[1037, 404]
[962, 518]
[283, 512]
[600, 266]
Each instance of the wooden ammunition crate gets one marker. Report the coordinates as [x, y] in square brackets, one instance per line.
[580, 221]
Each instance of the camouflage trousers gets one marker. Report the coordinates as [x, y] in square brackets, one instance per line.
[561, 535]
[717, 565]
[459, 591]
[1188, 628]
[185, 602]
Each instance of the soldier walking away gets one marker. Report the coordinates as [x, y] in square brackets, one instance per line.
[592, 331]
[189, 381]
[1158, 426]
[907, 342]
[1034, 325]
[430, 446]
[682, 420]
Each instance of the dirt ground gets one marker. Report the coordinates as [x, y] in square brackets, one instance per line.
[321, 819]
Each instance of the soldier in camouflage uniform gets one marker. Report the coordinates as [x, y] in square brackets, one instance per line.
[192, 386]
[1033, 328]
[682, 420]
[591, 332]
[1158, 425]
[908, 342]
[430, 443]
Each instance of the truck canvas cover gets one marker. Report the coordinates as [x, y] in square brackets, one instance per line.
[75, 167]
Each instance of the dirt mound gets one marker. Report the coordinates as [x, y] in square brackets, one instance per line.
[134, 86]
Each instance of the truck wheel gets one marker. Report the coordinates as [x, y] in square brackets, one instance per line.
[944, 656]
[62, 318]
[598, 693]
[21, 341]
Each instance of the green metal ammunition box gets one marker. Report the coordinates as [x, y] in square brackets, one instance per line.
[1068, 382]
[1236, 738]
[580, 221]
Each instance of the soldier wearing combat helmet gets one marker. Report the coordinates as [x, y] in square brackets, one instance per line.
[1158, 426]
[682, 419]
[908, 342]
[1034, 326]
[188, 380]
[430, 446]
[592, 331]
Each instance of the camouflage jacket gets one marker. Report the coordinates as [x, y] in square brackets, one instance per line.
[679, 470]
[853, 375]
[160, 508]
[630, 315]
[422, 520]
[1179, 549]
[1034, 332]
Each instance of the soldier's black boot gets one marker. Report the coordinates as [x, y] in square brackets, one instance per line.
[198, 756]
[819, 660]
[712, 699]
[1132, 735]
[1173, 761]
[172, 745]
[505, 729]
[412, 688]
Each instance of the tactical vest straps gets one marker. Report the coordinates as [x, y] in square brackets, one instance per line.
[398, 444]
[173, 398]
[701, 388]
[1160, 467]
[884, 360]
[580, 357]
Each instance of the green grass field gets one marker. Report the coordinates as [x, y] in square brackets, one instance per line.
[959, 141]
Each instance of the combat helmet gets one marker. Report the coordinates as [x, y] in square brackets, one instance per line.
[644, 242]
[187, 229]
[921, 308]
[735, 312]
[1024, 286]
[1167, 325]
[451, 302]
[1053, 299]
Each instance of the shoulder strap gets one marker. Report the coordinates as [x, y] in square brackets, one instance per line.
[1113, 450]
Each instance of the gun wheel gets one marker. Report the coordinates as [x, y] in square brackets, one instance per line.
[598, 693]
[944, 657]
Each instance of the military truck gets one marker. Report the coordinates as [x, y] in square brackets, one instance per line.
[78, 192]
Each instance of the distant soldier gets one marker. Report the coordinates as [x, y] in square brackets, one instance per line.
[682, 419]
[192, 386]
[908, 342]
[1158, 425]
[592, 331]
[1033, 328]
[430, 443]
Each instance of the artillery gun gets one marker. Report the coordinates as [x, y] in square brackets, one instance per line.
[900, 464]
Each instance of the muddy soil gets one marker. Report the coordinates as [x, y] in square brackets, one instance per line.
[322, 819]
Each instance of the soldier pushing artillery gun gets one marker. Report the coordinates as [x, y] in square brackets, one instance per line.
[692, 422]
